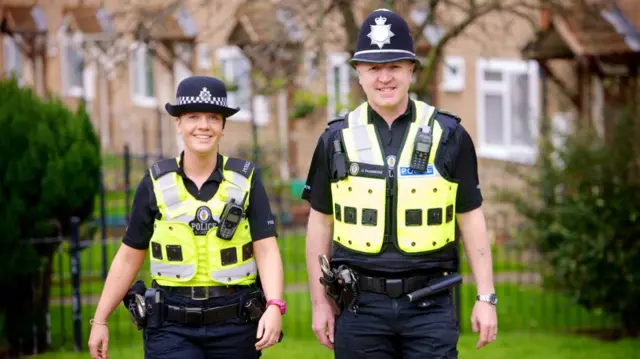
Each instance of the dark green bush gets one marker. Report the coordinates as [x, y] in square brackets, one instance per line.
[49, 171]
[585, 216]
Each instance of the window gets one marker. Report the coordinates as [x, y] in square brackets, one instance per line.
[142, 76]
[453, 74]
[72, 67]
[12, 57]
[338, 72]
[235, 70]
[508, 109]
[77, 73]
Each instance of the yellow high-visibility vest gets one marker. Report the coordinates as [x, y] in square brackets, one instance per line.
[185, 249]
[424, 214]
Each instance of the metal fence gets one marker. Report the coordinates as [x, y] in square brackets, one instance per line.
[81, 263]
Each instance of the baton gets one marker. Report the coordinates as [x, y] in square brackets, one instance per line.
[440, 285]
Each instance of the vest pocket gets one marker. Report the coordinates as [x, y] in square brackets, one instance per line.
[173, 252]
[232, 262]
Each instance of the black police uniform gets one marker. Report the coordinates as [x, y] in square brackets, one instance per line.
[385, 326]
[232, 337]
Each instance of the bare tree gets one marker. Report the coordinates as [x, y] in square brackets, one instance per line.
[449, 19]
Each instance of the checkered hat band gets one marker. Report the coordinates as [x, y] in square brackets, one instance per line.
[184, 100]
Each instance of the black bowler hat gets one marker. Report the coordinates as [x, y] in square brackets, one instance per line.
[201, 94]
[384, 37]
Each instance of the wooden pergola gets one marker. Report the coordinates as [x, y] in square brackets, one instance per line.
[27, 25]
[603, 44]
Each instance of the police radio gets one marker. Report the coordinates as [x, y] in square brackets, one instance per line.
[229, 220]
[421, 150]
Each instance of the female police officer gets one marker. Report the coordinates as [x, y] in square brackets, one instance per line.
[201, 217]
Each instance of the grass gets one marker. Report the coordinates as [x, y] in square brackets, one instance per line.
[508, 346]
[527, 330]
[521, 309]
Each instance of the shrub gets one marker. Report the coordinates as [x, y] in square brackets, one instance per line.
[584, 217]
[50, 171]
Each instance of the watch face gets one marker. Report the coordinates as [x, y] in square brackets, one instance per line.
[493, 299]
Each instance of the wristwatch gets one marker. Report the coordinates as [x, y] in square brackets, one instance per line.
[489, 298]
[280, 303]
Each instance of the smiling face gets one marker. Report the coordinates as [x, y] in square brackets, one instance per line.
[386, 85]
[201, 132]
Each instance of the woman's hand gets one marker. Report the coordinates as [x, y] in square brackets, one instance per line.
[99, 341]
[269, 327]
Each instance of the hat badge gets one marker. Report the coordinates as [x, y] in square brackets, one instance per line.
[380, 32]
[205, 95]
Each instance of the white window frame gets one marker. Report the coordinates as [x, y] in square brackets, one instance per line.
[507, 152]
[334, 106]
[88, 73]
[137, 67]
[11, 51]
[230, 54]
[453, 82]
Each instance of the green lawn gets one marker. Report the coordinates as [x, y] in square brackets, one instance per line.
[527, 330]
[508, 346]
[521, 308]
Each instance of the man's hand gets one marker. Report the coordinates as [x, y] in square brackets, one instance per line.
[323, 323]
[485, 320]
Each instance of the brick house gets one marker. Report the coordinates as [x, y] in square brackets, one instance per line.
[129, 59]
[488, 82]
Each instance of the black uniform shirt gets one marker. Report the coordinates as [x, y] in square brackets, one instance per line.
[461, 168]
[145, 209]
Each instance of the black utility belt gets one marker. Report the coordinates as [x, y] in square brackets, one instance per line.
[202, 293]
[201, 316]
[395, 287]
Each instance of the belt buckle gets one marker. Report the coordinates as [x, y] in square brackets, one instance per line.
[199, 293]
[394, 287]
[193, 316]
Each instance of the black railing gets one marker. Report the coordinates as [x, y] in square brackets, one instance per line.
[81, 262]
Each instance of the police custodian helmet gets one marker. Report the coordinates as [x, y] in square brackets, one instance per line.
[384, 37]
[201, 94]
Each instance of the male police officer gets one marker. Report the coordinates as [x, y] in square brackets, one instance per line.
[389, 184]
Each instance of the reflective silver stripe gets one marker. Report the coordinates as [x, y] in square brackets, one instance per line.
[363, 144]
[170, 191]
[427, 111]
[354, 117]
[240, 184]
[172, 270]
[235, 273]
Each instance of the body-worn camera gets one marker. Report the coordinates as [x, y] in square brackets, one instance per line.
[421, 150]
[339, 161]
[231, 217]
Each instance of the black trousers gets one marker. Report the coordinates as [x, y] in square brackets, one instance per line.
[228, 339]
[386, 328]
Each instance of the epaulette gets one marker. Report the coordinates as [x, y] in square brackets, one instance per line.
[239, 165]
[449, 115]
[335, 122]
[163, 167]
[448, 122]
